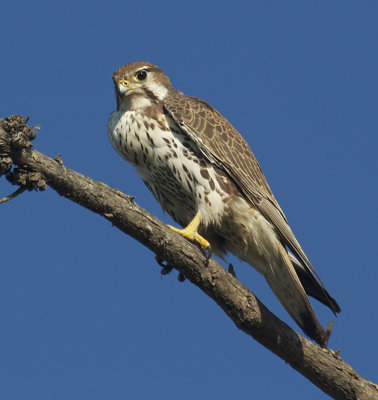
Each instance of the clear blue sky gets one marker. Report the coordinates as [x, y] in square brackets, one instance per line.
[84, 311]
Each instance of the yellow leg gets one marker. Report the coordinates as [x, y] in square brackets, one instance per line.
[190, 232]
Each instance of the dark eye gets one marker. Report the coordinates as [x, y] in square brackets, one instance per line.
[141, 75]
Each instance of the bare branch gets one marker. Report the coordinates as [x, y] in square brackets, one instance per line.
[323, 367]
[17, 192]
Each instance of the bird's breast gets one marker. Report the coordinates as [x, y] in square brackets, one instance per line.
[177, 173]
[130, 136]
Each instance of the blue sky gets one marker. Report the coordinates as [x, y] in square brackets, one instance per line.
[84, 311]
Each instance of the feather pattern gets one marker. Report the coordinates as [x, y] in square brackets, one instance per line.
[200, 169]
[223, 145]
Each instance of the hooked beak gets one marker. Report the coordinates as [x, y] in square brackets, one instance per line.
[124, 87]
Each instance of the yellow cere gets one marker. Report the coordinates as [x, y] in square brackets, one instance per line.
[123, 83]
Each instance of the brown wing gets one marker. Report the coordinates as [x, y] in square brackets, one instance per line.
[222, 144]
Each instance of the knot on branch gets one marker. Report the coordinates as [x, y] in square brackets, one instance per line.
[31, 180]
[6, 161]
[14, 135]
[20, 134]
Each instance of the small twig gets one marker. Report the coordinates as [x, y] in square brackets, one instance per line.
[20, 190]
[328, 331]
[58, 159]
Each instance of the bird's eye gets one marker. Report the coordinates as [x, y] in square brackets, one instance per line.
[140, 76]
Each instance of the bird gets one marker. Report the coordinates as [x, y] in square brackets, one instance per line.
[205, 176]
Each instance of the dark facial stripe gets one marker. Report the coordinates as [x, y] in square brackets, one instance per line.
[150, 94]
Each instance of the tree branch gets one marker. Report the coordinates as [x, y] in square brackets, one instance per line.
[34, 170]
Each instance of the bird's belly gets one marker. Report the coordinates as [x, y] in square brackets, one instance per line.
[249, 235]
[179, 177]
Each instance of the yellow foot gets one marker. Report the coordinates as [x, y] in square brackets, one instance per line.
[193, 236]
[190, 232]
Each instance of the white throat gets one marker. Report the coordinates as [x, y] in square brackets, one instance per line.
[133, 99]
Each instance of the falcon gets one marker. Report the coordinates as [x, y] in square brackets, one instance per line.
[205, 176]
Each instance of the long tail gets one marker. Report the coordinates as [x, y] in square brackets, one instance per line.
[312, 286]
[287, 286]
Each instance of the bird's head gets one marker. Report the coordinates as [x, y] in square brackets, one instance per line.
[139, 85]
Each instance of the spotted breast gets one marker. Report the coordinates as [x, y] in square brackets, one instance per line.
[173, 170]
